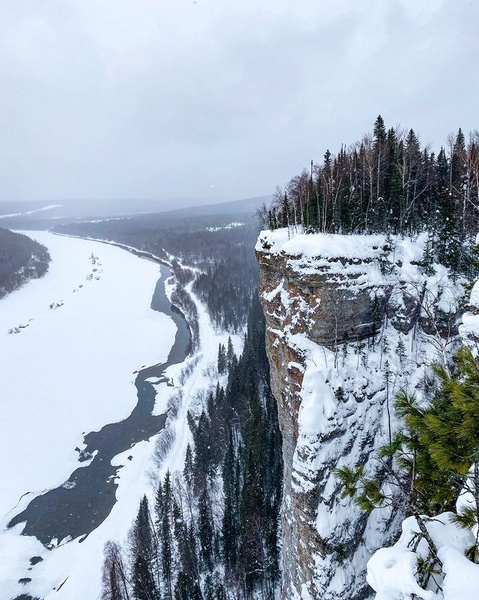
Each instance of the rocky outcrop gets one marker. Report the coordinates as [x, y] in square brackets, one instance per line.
[347, 326]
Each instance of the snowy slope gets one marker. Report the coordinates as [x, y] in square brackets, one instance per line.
[392, 570]
[31, 212]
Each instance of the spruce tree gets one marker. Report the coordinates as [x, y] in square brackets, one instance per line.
[184, 586]
[230, 514]
[144, 552]
[205, 530]
[221, 359]
[230, 353]
[158, 504]
[166, 538]
[428, 256]
[386, 266]
[144, 587]
[188, 471]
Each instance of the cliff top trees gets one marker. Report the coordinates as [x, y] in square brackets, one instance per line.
[388, 182]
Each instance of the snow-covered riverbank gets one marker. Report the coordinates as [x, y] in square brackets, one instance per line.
[73, 570]
[69, 369]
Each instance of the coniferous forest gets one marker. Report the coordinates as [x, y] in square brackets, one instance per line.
[389, 183]
[213, 531]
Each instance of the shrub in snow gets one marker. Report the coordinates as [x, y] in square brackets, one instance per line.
[174, 404]
[163, 445]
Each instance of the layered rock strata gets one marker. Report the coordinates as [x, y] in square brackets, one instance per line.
[350, 321]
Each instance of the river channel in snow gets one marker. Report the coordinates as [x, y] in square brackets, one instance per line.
[76, 392]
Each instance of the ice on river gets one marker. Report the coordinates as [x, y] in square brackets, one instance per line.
[100, 334]
[82, 330]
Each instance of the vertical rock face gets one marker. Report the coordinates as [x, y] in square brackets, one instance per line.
[348, 325]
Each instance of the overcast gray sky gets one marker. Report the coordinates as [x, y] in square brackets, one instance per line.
[162, 98]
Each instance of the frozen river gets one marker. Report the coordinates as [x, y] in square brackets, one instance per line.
[77, 365]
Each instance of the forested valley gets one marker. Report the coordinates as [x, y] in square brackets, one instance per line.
[213, 530]
[222, 248]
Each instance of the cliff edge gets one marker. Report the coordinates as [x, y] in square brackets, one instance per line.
[350, 320]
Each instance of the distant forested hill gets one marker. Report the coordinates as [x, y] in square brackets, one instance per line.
[21, 259]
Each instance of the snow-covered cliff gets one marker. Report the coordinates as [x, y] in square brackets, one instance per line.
[351, 320]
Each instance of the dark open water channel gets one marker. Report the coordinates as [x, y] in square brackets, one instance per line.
[85, 500]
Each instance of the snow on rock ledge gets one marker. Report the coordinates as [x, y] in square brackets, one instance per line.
[349, 324]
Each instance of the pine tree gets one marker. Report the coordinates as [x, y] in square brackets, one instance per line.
[205, 530]
[434, 457]
[451, 429]
[143, 550]
[188, 471]
[221, 359]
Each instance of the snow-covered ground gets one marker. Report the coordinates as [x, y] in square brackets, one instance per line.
[71, 371]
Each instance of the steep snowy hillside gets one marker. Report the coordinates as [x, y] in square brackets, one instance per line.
[351, 320]
[445, 566]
